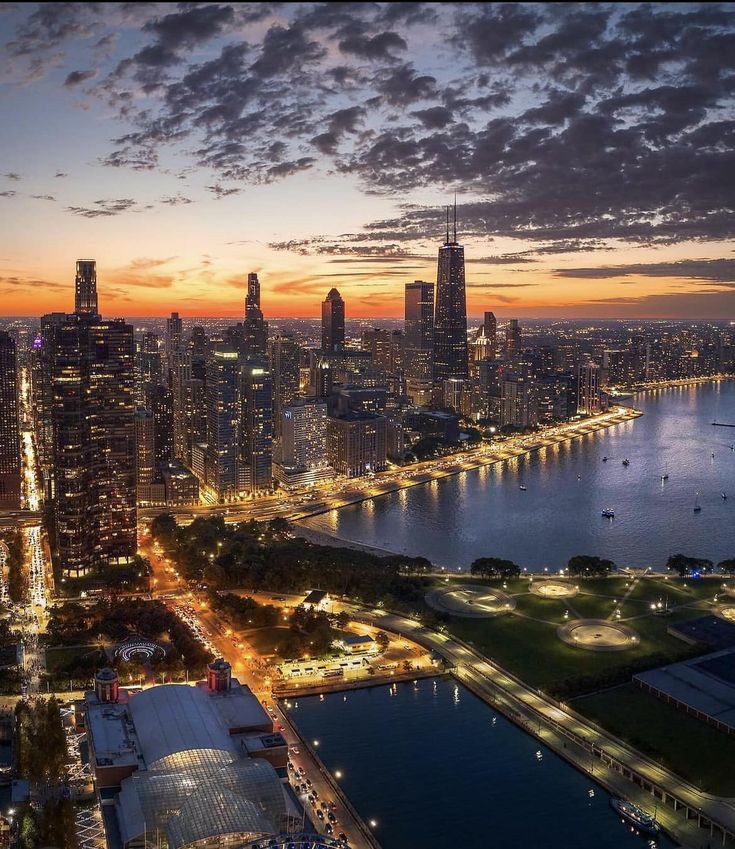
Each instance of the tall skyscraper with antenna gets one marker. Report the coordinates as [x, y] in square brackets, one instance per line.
[450, 312]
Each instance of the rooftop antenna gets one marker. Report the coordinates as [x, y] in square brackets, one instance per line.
[447, 211]
[455, 216]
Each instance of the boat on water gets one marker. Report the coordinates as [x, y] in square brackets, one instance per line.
[635, 816]
[604, 459]
[626, 462]
[523, 487]
[665, 476]
[724, 496]
[697, 505]
[608, 513]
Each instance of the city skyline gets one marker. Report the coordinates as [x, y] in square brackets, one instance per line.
[590, 150]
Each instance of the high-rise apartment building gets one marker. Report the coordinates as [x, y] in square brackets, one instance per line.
[450, 312]
[513, 343]
[159, 400]
[333, 321]
[419, 340]
[223, 416]
[357, 443]
[589, 399]
[284, 357]
[303, 451]
[255, 472]
[174, 331]
[518, 400]
[10, 465]
[88, 374]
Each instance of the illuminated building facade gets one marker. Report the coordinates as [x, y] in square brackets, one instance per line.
[256, 422]
[10, 466]
[88, 371]
[357, 443]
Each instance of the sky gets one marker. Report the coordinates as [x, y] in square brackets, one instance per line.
[590, 147]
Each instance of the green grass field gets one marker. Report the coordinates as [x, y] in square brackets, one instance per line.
[692, 749]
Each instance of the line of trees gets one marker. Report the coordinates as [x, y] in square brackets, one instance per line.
[688, 567]
[17, 577]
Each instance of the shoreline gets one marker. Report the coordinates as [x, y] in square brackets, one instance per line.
[676, 384]
[462, 464]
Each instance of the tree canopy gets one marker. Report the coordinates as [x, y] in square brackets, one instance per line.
[495, 567]
[588, 565]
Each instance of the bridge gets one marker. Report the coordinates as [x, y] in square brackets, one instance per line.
[722, 424]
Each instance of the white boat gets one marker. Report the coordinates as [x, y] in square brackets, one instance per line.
[608, 513]
[635, 816]
[523, 487]
[697, 505]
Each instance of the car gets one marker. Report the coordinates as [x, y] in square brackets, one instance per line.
[328, 828]
[308, 782]
[331, 817]
[320, 814]
[342, 836]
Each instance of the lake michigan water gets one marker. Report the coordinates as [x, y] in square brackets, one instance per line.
[484, 513]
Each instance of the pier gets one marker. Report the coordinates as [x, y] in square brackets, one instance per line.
[722, 424]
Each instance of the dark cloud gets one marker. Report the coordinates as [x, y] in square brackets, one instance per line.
[61, 174]
[714, 271]
[377, 47]
[181, 31]
[285, 48]
[222, 191]
[403, 85]
[176, 200]
[75, 77]
[11, 175]
[8, 193]
[435, 117]
[103, 208]
[43, 197]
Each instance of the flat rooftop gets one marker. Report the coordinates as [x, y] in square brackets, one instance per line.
[712, 630]
[705, 684]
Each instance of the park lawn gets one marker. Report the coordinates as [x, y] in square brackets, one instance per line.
[547, 609]
[60, 658]
[678, 590]
[265, 640]
[532, 651]
[689, 747]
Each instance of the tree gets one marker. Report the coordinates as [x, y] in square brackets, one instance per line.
[163, 528]
[587, 565]
[686, 566]
[383, 640]
[727, 566]
[495, 567]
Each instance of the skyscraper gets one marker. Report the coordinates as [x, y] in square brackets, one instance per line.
[419, 340]
[159, 400]
[512, 339]
[450, 312]
[284, 357]
[588, 389]
[255, 329]
[223, 376]
[333, 321]
[10, 477]
[88, 373]
[490, 332]
[85, 287]
[256, 415]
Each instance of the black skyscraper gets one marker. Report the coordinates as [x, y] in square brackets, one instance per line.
[450, 315]
[333, 321]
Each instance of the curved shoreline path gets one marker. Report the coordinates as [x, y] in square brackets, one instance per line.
[618, 767]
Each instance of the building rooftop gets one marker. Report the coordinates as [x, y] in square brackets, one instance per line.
[315, 597]
[705, 684]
